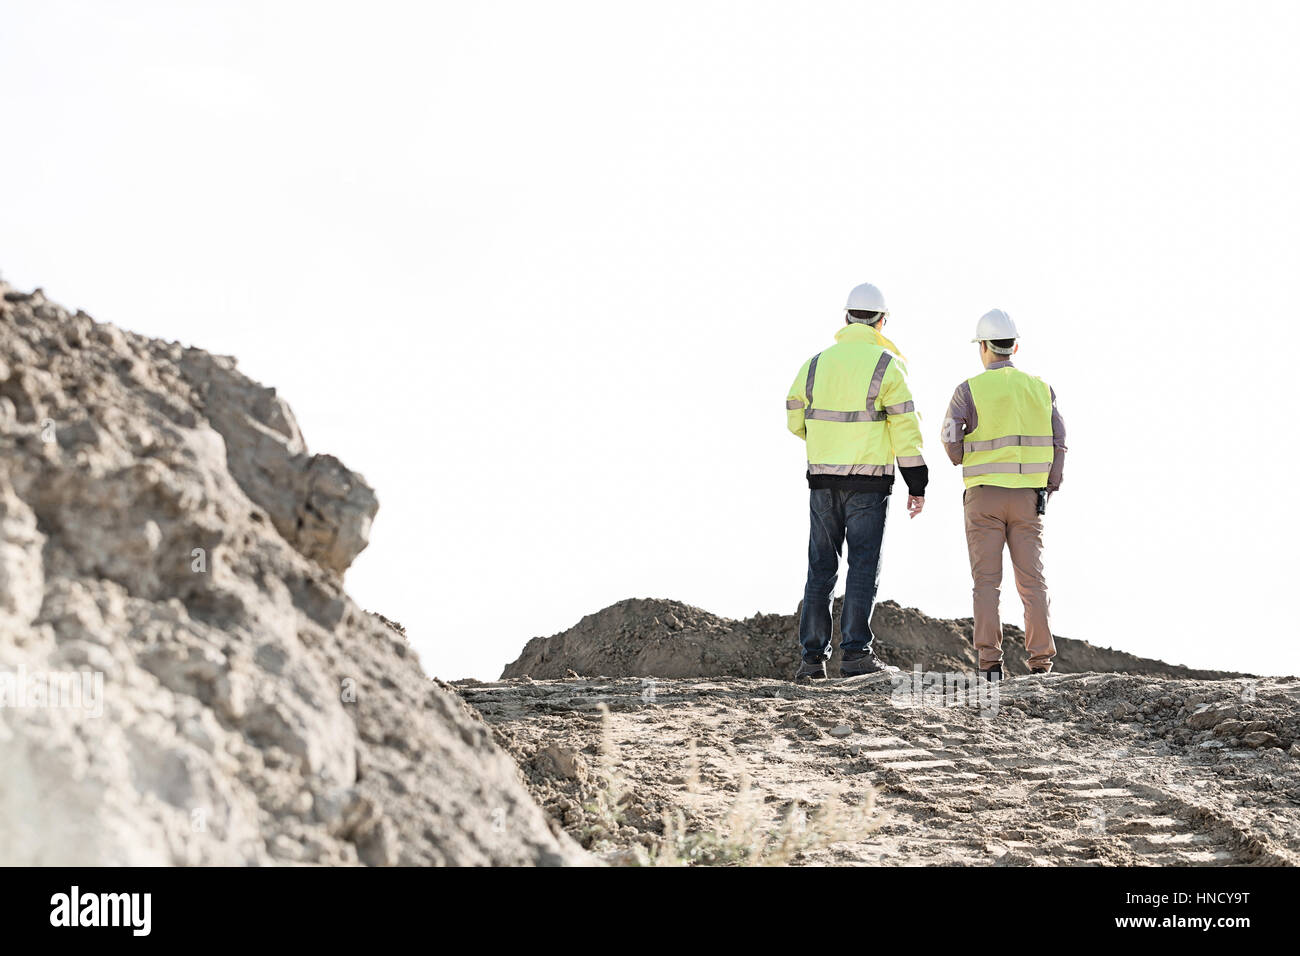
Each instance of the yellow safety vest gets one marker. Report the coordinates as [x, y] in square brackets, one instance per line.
[852, 405]
[1011, 446]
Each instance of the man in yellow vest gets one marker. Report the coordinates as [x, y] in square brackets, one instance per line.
[1003, 428]
[852, 407]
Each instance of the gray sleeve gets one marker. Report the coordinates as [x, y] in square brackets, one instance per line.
[1055, 476]
[958, 423]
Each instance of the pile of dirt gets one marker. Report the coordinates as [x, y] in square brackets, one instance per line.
[646, 637]
[1075, 769]
[183, 679]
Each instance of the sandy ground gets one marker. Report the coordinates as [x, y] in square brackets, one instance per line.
[1074, 769]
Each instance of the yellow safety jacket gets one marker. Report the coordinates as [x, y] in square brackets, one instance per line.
[1011, 446]
[852, 406]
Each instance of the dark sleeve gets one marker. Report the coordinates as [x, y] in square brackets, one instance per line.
[917, 477]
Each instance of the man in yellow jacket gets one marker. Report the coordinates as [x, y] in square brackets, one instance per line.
[1003, 428]
[852, 407]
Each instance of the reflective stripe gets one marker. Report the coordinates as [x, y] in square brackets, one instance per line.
[911, 461]
[792, 403]
[1006, 468]
[1007, 441]
[878, 377]
[823, 415]
[812, 374]
[902, 409]
[850, 469]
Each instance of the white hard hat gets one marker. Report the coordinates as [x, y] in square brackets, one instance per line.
[995, 325]
[866, 298]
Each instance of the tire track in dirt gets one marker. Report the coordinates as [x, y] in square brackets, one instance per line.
[1022, 805]
[953, 785]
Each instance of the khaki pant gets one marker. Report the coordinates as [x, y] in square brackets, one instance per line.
[996, 517]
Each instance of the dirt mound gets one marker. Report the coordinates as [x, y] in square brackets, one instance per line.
[1075, 769]
[646, 637]
[183, 678]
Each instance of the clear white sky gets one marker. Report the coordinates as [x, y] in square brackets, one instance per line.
[543, 272]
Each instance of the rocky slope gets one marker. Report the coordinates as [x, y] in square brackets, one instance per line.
[183, 678]
[656, 638]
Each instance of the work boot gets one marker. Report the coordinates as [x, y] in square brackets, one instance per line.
[992, 674]
[811, 670]
[855, 663]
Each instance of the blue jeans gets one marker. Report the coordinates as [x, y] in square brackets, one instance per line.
[859, 516]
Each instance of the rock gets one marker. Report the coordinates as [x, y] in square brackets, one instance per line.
[1210, 715]
[841, 730]
[1230, 728]
[22, 573]
[566, 763]
[320, 507]
[627, 856]
[169, 546]
[1261, 738]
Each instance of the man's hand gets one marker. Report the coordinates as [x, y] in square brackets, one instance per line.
[914, 505]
